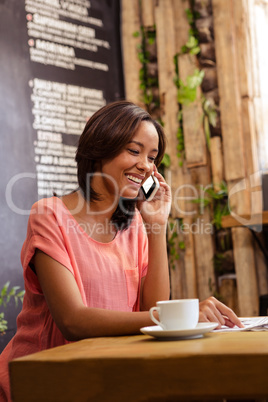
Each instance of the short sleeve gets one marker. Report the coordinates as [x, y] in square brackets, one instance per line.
[45, 232]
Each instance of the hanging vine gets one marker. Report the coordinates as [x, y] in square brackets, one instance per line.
[187, 91]
[149, 82]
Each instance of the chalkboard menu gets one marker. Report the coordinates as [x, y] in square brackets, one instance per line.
[60, 61]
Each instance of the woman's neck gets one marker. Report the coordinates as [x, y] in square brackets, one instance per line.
[94, 217]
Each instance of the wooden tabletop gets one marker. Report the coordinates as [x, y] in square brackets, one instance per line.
[141, 368]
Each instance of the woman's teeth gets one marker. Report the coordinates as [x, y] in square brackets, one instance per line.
[135, 179]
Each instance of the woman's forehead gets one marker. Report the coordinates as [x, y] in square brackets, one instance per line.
[146, 132]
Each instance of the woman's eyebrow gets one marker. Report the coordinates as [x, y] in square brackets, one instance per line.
[141, 145]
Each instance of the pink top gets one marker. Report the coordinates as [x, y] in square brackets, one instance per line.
[108, 275]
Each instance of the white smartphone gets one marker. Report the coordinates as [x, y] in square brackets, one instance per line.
[150, 187]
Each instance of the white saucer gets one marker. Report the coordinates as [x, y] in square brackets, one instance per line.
[197, 332]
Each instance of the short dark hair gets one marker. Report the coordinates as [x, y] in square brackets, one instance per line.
[105, 135]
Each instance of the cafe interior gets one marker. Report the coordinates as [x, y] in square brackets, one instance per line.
[199, 67]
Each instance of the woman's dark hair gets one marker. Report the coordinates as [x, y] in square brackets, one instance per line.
[105, 135]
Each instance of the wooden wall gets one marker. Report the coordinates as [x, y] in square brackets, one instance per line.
[231, 156]
[234, 66]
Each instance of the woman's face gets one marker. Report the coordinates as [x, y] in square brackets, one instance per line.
[124, 175]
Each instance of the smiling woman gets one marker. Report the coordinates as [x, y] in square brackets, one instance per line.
[89, 264]
[134, 164]
[110, 131]
[95, 261]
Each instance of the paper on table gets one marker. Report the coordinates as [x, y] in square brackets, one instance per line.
[250, 323]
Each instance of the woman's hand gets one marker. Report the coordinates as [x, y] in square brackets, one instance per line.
[213, 310]
[157, 210]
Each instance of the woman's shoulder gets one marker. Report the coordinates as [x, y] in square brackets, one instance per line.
[48, 215]
[48, 211]
[45, 204]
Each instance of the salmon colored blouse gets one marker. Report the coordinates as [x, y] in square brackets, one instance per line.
[108, 275]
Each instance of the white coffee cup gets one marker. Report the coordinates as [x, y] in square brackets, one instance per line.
[176, 314]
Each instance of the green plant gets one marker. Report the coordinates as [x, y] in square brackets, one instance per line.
[186, 94]
[218, 261]
[187, 91]
[173, 253]
[218, 200]
[175, 245]
[209, 117]
[147, 82]
[179, 135]
[192, 45]
[6, 295]
[166, 161]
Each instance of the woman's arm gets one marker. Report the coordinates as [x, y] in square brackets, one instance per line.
[72, 317]
[155, 285]
[76, 321]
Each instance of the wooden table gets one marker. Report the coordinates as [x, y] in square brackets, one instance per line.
[141, 368]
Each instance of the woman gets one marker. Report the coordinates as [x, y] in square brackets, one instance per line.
[95, 260]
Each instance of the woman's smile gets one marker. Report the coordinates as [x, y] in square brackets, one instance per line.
[135, 179]
[135, 163]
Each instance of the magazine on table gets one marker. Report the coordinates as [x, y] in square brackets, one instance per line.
[250, 324]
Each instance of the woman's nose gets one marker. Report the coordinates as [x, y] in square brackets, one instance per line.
[144, 165]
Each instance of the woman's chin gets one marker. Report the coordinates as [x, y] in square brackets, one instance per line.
[130, 196]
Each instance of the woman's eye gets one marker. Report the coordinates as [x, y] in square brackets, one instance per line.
[133, 151]
[137, 152]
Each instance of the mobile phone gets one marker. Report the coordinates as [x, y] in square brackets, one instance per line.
[150, 187]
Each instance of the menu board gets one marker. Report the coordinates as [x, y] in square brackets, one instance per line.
[60, 61]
